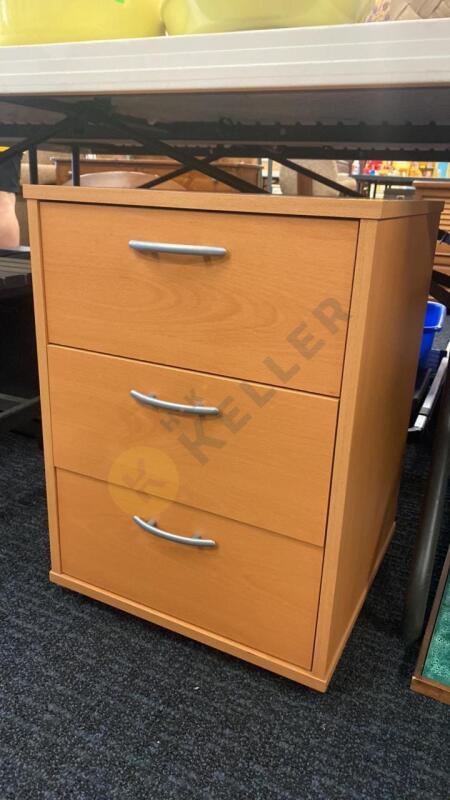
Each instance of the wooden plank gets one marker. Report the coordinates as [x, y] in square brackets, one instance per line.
[253, 586]
[273, 309]
[342, 208]
[245, 463]
[436, 691]
[419, 682]
[209, 638]
[392, 277]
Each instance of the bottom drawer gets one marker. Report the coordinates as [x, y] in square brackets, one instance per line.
[254, 587]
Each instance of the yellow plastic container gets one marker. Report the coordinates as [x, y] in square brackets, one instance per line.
[214, 16]
[45, 21]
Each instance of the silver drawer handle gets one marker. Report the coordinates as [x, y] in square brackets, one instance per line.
[151, 400]
[177, 249]
[193, 541]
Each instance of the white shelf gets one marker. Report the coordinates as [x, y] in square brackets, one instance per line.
[331, 92]
[348, 56]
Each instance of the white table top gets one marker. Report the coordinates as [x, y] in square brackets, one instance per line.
[395, 74]
[378, 54]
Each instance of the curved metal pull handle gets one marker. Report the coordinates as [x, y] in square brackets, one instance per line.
[151, 400]
[193, 541]
[177, 249]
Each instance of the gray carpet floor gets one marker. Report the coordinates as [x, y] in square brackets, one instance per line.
[98, 705]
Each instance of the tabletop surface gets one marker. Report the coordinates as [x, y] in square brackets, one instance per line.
[348, 208]
[409, 53]
[348, 91]
[400, 180]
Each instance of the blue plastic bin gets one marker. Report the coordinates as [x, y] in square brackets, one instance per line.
[434, 320]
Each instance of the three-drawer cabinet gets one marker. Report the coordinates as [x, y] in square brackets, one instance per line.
[226, 384]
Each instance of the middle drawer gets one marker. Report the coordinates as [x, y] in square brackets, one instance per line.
[265, 459]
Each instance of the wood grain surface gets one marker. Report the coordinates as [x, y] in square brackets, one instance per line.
[273, 310]
[392, 277]
[266, 460]
[254, 587]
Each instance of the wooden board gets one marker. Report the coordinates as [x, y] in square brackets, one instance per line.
[392, 276]
[420, 683]
[256, 657]
[253, 587]
[251, 463]
[273, 309]
[41, 340]
[338, 208]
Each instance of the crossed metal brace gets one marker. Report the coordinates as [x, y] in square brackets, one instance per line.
[80, 115]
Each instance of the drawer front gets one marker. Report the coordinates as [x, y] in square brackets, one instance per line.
[253, 587]
[265, 459]
[273, 309]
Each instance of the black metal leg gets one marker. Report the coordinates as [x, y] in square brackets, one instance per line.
[176, 173]
[76, 175]
[34, 170]
[430, 524]
[286, 162]
[180, 154]
[270, 175]
[43, 135]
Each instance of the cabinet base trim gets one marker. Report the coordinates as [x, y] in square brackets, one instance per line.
[255, 657]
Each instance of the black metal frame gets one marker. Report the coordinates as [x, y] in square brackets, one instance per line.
[292, 138]
[88, 122]
[430, 525]
[16, 412]
[80, 117]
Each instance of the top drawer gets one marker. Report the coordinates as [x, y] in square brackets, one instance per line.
[272, 309]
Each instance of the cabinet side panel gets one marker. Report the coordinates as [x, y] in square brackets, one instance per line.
[41, 336]
[393, 272]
